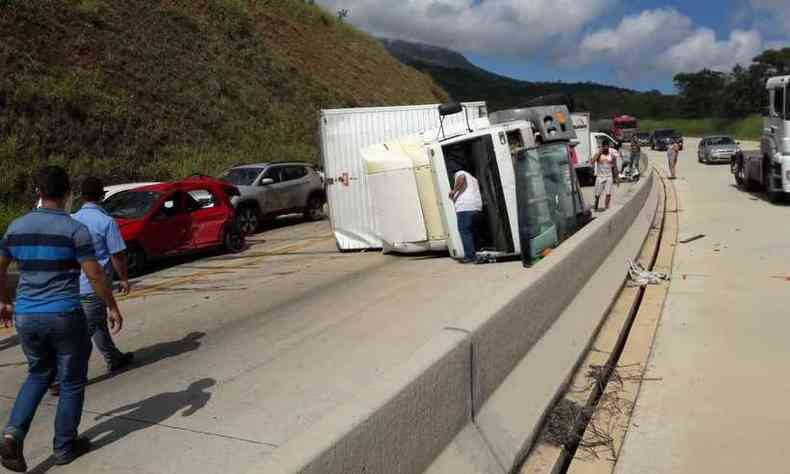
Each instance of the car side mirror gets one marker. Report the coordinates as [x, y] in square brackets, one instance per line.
[267, 181]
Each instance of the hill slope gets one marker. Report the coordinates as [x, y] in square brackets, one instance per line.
[158, 89]
[465, 81]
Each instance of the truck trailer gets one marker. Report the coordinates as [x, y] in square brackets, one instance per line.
[343, 133]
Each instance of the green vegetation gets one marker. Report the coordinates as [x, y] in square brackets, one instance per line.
[749, 128]
[733, 95]
[159, 89]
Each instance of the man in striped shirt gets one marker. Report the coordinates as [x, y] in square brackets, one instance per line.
[50, 249]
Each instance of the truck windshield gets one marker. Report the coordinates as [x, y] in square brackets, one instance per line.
[626, 125]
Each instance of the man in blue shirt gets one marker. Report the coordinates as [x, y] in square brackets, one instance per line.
[110, 252]
[50, 248]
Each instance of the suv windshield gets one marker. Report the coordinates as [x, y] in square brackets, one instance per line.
[721, 141]
[665, 132]
[241, 176]
[131, 204]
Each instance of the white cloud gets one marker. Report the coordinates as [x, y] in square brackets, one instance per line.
[702, 49]
[667, 41]
[516, 28]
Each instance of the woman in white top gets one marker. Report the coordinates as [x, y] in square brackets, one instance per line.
[606, 174]
[468, 209]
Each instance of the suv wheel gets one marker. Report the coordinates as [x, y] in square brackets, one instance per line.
[248, 220]
[314, 210]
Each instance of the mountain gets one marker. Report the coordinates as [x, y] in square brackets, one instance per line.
[465, 81]
[159, 89]
[425, 54]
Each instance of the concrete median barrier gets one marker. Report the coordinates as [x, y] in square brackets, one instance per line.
[472, 399]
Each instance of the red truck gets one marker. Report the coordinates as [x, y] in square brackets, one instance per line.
[624, 128]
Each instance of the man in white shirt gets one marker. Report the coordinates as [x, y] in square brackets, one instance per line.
[468, 209]
[606, 174]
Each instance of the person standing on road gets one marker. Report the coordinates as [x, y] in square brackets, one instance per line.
[468, 209]
[50, 248]
[672, 158]
[606, 174]
[111, 253]
[636, 155]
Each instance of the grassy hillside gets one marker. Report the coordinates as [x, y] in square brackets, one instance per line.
[749, 128]
[159, 89]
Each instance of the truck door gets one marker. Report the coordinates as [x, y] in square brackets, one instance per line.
[446, 206]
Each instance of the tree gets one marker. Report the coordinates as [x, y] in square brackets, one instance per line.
[700, 92]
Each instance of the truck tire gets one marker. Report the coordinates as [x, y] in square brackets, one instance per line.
[773, 196]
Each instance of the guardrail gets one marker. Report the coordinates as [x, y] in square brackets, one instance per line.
[474, 397]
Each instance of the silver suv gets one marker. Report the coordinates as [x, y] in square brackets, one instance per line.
[269, 190]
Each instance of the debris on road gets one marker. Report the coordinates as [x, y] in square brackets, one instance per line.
[639, 276]
[692, 239]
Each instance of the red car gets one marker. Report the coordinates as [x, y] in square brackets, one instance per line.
[168, 219]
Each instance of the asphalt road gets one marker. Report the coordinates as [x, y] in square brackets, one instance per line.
[719, 363]
[236, 354]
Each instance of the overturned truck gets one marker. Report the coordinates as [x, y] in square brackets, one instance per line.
[531, 199]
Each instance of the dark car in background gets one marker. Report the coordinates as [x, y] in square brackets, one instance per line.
[717, 149]
[643, 138]
[662, 138]
[176, 218]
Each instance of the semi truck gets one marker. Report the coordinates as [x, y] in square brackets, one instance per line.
[769, 168]
[624, 128]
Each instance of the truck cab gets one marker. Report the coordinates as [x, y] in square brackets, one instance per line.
[775, 143]
[770, 167]
[624, 128]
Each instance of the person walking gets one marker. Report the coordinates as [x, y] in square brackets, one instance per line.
[606, 174]
[110, 253]
[468, 209]
[636, 155]
[672, 158]
[50, 248]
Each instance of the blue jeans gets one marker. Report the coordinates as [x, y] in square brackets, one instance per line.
[53, 341]
[467, 227]
[96, 314]
[635, 162]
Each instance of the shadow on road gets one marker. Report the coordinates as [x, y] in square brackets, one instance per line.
[9, 342]
[761, 196]
[156, 353]
[140, 415]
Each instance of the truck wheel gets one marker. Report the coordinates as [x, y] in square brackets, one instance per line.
[248, 219]
[773, 196]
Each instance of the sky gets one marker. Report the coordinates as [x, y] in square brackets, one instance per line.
[638, 44]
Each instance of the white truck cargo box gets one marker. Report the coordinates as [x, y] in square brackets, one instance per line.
[345, 132]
